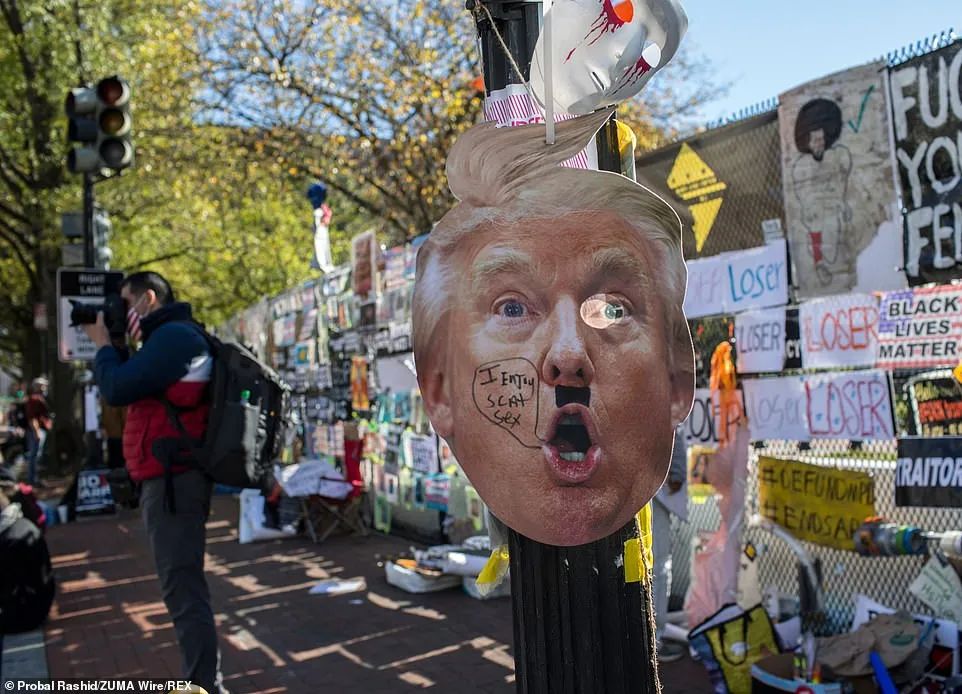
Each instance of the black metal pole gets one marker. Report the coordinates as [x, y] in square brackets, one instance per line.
[579, 625]
[88, 220]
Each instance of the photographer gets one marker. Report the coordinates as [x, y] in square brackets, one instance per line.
[172, 368]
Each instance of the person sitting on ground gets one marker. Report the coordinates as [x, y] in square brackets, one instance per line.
[27, 584]
[23, 494]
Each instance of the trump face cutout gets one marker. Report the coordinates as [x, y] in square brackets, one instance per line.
[552, 351]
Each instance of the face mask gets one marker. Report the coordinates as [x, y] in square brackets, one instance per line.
[605, 51]
[133, 321]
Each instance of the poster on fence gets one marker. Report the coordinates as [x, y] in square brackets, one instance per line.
[421, 452]
[854, 405]
[739, 281]
[838, 182]
[776, 408]
[364, 263]
[700, 473]
[920, 328]
[815, 503]
[729, 179]
[929, 472]
[702, 425]
[936, 400]
[926, 96]
[760, 340]
[839, 331]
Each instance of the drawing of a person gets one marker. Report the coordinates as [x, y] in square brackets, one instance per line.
[820, 177]
[581, 274]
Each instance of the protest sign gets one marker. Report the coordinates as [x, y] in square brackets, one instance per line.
[838, 180]
[839, 331]
[756, 278]
[920, 328]
[929, 472]
[938, 586]
[776, 408]
[702, 425]
[421, 452]
[850, 405]
[760, 340]
[729, 178]
[926, 95]
[936, 400]
[815, 503]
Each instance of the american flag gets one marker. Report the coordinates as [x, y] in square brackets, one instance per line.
[133, 326]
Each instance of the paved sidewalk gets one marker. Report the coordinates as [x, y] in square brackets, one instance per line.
[109, 621]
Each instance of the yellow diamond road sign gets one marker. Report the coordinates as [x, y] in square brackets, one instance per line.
[692, 180]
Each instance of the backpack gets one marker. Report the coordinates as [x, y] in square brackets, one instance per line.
[249, 412]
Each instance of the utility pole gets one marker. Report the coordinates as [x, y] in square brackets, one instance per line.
[581, 625]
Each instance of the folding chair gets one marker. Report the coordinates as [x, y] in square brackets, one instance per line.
[324, 515]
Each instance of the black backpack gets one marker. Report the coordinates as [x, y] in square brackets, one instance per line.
[249, 412]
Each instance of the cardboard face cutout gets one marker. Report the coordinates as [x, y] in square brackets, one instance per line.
[551, 347]
[604, 51]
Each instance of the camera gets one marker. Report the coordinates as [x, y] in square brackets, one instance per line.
[113, 307]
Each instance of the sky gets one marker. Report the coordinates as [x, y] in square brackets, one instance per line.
[765, 47]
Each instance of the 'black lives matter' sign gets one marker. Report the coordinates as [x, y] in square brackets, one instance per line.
[927, 111]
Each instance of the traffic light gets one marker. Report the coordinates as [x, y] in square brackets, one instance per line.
[102, 231]
[100, 121]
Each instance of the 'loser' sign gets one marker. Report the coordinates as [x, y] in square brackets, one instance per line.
[733, 282]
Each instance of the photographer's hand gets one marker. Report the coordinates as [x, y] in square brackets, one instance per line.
[97, 332]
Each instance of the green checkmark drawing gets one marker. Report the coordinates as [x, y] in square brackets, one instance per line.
[861, 112]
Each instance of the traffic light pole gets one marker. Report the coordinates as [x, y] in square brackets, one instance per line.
[88, 193]
[580, 623]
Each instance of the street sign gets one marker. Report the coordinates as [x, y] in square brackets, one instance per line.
[85, 286]
[72, 254]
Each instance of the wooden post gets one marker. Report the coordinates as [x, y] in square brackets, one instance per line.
[579, 626]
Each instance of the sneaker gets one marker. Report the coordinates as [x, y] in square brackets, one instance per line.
[669, 652]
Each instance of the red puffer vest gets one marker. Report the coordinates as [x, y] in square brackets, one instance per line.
[147, 421]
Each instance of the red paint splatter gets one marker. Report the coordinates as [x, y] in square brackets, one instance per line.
[609, 20]
[634, 73]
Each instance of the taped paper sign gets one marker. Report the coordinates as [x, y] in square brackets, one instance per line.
[920, 328]
[776, 408]
[815, 503]
[437, 492]
[929, 472]
[939, 587]
[851, 405]
[839, 331]
[760, 340]
[936, 400]
[421, 452]
[702, 425]
[700, 486]
[732, 282]
[837, 177]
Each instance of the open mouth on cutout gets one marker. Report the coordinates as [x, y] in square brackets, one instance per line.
[572, 451]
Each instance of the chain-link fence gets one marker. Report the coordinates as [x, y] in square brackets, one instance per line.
[730, 180]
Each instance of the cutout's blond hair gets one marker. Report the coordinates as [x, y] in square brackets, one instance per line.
[507, 175]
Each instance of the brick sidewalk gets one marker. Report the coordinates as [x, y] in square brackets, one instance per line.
[109, 621]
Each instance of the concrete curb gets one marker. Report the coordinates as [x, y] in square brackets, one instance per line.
[24, 656]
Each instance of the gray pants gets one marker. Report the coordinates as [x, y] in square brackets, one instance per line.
[661, 575]
[177, 540]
